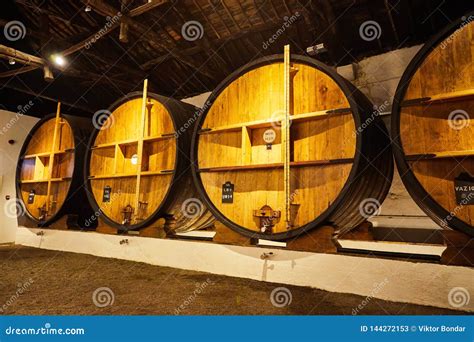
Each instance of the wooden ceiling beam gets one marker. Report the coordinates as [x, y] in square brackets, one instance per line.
[102, 58]
[64, 53]
[207, 46]
[21, 57]
[196, 49]
[34, 62]
[216, 10]
[229, 13]
[206, 19]
[106, 10]
[49, 13]
[154, 39]
[124, 28]
[146, 7]
[245, 14]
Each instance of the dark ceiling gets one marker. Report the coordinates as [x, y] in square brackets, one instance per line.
[101, 68]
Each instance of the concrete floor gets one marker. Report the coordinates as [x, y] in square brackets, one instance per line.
[35, 281]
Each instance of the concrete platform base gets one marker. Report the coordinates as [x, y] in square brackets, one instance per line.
[402, 281]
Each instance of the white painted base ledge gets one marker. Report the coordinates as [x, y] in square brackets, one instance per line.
[399, 281]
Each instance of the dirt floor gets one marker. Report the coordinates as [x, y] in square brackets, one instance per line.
[35, 281]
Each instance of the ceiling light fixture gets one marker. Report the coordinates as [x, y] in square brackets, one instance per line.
[87, 8]
[11, 61]
[59, 60]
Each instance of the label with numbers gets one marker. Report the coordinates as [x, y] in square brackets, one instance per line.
[464, 189]
[228, 192]
[106, 195]
[31, 196]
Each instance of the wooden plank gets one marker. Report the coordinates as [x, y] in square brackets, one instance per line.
[227, 236]
[270, 122]
[276, 165]
[444, 154]
[118, 175]
[129, 175]
[146, 7]
[32, 181]
[112, 144]
[51, 156]
[318, 240]
[246, 146]
[285, 136]
[459, 249]
[141, 134]
[459, 95]
[133, 141]
[160, 137]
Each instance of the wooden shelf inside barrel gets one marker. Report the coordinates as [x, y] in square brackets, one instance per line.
[275, 121]
[127, 175]
[135, 141]
[275, 165]
[47, 154]
[460, 95]
[31, 181]
[439, 155]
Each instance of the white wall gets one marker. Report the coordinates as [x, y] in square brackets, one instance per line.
[16, 127]
[377, 77]
[198, 100]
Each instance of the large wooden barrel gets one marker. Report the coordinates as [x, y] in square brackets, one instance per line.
[138, 167]
[337, 151]
[49, 172]
[432, 127]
